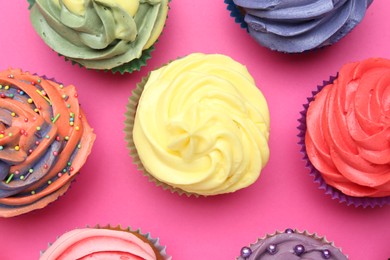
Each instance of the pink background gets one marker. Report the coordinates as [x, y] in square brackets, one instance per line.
[111, 190]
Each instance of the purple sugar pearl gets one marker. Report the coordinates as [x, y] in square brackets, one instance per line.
[246, 252]
[326, 254]
[271, 249]
[299, 250]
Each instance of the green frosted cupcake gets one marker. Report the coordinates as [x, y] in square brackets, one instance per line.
[115, 35]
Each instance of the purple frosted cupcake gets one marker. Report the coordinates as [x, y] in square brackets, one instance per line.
[344, 133]
[295, 26]
[291, 244]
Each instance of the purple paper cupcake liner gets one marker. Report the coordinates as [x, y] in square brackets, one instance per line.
[329, 190]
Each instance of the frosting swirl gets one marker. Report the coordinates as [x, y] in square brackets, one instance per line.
[99, 34]
[348, 130]
[44, 140]
[295, 26]
[291, 245]
[96, 243]
[202, 125]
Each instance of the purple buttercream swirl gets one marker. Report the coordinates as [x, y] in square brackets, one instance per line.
[290, 246]
[295, 26]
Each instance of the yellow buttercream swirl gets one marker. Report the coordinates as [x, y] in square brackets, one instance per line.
[202, 125]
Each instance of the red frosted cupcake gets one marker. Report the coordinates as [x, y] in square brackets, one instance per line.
[345, 133]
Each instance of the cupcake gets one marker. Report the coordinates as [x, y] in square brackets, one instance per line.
[44, 140]
[199, 125]
[105, 243]
[291, 244]
[345, 134]
[293, 26]
[103, 35]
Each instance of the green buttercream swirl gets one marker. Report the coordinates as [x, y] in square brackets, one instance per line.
[104, 37]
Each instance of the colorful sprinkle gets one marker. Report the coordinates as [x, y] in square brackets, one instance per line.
[46, 98]
[29, 101]
[17, 148]
[9, 178]
[56, 118]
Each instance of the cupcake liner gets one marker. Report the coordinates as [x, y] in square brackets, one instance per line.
[131, 109]
[236, 13]
[146, 237]
[329, 190]
[129, 67]
[315, 236]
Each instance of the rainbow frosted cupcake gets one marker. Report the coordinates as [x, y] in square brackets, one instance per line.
[199, 125]
[44, 141]
[292, 245]
[103, 35]
[345, 130]
[105, 242]
[293, 26]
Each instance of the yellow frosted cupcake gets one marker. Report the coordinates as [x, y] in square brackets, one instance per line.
[199, 125]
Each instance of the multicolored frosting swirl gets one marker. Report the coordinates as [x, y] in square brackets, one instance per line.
[99, 34]
[44, 140]
[294, 26]
[291, 245]
[202, 125]
[348, 130]
[101, 243]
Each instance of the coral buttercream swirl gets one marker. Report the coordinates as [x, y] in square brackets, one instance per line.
[44, 140]
[99, 34]
[103, 243]
[202, 125]
[295, 26]
[348, 130]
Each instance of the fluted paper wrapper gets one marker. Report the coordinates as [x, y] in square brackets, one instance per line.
[329, 190]
[159, 249]
[129, 126]
[236, 13]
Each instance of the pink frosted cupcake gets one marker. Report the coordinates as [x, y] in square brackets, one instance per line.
[105, 242]
[345, 134]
